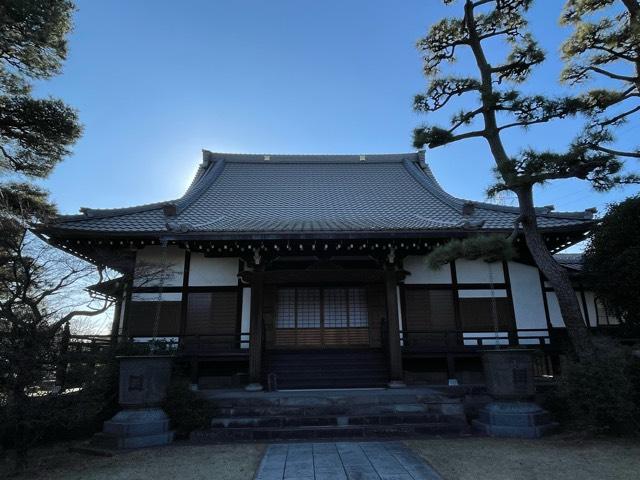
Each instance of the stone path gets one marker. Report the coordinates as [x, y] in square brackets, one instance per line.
[343, 461]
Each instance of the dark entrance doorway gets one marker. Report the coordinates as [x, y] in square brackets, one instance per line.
[325, 336]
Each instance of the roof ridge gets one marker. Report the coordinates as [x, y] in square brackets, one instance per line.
[308, 157]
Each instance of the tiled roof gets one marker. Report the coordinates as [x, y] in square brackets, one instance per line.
[574, 261]
[280, 194]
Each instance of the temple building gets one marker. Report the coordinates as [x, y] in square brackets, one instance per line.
[308, 271]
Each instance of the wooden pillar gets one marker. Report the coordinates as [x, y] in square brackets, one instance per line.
[115, 326]
[393, 332]
[255, 332]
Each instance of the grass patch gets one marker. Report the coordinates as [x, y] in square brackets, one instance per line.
[175, 462]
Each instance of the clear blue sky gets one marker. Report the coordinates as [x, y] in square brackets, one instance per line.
[157, 81]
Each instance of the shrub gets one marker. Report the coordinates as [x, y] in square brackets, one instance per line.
[600, 395]
[187, 410]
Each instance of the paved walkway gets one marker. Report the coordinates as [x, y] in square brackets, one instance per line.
[343, 461]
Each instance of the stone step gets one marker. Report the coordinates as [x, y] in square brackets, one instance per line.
[315, 398]
[327, 432]
[331, 420]
[344, 372]
[453, 409]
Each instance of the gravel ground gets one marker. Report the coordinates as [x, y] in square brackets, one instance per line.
[176, 462]
[549, 458]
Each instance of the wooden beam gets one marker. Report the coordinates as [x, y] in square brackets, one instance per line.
[255, 332]
[513, 325]
[185, 292]
[393, 329]
[335, 277]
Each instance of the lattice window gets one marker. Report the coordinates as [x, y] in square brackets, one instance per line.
[286, 315]
[328, 307]
[308, 308]
[358, 314]
[336, 314]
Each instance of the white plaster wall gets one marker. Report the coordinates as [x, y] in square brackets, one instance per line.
[245, 319]
[554, 309]
[152, 257]
[526, 291]
[421, 273]
[153, 297]
[482, 293]
[485, 338]
[591, 308]
[477, 271]
[219, 272]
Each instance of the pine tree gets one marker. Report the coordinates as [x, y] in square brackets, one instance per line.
[604, 46]
[501, 107]
[35, 133]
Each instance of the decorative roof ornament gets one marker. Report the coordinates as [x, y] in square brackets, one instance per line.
[178, 227]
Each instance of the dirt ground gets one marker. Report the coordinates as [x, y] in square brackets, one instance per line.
[176, 462]
[549, 458]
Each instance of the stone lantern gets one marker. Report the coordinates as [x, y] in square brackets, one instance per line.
[142, 389]
[510, 382]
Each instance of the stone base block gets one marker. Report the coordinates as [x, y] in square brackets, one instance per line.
[135, 428]
[514, 419]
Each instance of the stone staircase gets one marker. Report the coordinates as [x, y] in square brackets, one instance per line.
[365, 413]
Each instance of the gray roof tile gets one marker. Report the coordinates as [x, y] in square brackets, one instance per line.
[235, 193]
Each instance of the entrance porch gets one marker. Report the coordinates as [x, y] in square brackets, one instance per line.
[324, 327]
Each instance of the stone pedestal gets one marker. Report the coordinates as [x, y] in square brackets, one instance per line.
[135, 428]
[514, 419]
[142, 389]
[510, 382]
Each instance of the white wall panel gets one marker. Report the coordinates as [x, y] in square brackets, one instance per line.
[482, 293]
[421, 273]
[219, 272]
[153, 297]
[591, 308]
[478, 271]
[554, 309]
[245, 320]
[151, 259]
[526, 292]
